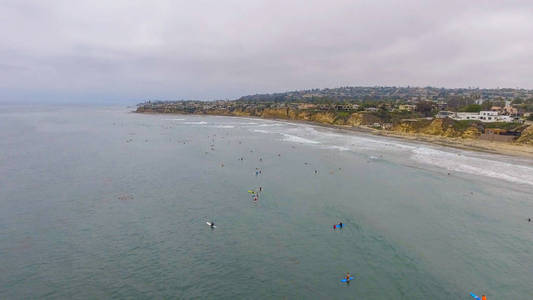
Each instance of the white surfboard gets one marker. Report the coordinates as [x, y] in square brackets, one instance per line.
[209, 223]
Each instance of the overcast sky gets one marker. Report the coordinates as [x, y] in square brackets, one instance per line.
[80, 51]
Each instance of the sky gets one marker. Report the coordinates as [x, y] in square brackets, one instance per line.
[85, 51]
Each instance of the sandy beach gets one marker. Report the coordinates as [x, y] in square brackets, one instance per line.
[459, 143]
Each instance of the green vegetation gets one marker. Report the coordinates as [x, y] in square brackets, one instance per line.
[342, 115]
[471, 108]
[464, 124]
[501, 125]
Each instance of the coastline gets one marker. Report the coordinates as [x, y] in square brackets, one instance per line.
[500, 148]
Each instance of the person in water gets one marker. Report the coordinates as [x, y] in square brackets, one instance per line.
[212, 224]
[347, 277]
[340, 224]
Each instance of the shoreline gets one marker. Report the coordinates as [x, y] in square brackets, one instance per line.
[500, 148]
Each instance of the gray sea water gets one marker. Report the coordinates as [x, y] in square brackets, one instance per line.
[98, 202]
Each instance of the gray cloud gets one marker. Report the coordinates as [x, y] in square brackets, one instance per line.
[79, 50]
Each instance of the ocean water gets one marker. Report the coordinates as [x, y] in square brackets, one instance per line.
[98, 202]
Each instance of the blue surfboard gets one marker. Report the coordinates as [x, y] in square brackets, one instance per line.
[344, 279]
[475, 296]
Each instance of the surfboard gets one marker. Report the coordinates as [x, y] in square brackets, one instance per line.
[208, 223]
[474, 296]
[344, 279]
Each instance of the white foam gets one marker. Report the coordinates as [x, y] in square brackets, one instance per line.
[269, 125]
[340, 148]
[195, 123]
[473, 163]
[261, 131]
[174, 119]
[223, 126]
[462, 162]
[297, 139]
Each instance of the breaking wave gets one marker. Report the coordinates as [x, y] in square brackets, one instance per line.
[466, 163]
[297, 139]
[195, 123]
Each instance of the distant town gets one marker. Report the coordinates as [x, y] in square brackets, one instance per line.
[493, 114]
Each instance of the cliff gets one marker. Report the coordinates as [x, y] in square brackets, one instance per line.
[446, 128]
[526, 137]
[441, 127]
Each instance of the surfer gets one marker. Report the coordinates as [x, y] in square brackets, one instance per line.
[347, 277]
[212, 225]
[529, 220]
[340, 224]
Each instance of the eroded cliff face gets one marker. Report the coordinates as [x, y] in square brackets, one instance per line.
[526, 137]
[437, 127]
[440, 127]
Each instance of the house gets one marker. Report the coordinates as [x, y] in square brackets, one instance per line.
[461, 116]
[510, 110]
[407, 107]
[486, 116]
[445, 114]
[346, 106]
[371, 109]
[306, 105]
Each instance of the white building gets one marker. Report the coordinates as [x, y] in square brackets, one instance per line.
[484, 116]
[488, 116]
[466, 116]
[445, 114]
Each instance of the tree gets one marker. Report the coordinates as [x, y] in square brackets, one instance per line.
[518, 100]
[472, 108]
[425, 108]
